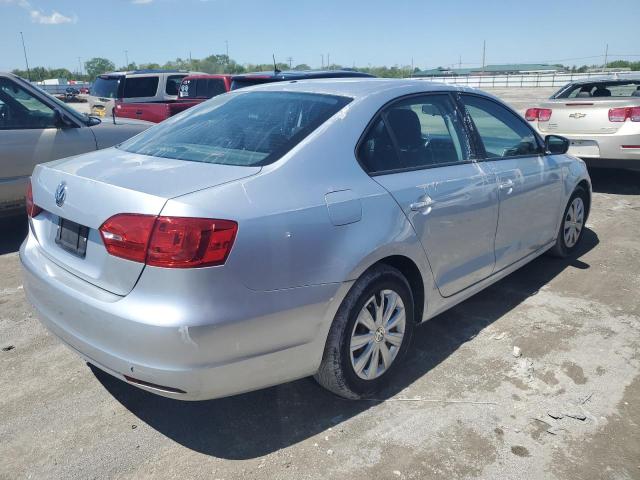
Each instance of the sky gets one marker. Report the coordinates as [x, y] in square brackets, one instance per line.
[360, 32]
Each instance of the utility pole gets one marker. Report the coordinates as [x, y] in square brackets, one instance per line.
[412, 69]
[606, 54]
[126, 59]
[322, 55]
[226, 44]
[290, 60]
[79, 66]
[459, 62]
[24, 49]
[328, 63]
[484, 50]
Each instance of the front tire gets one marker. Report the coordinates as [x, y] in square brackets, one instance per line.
[572, 225]
[369, 335]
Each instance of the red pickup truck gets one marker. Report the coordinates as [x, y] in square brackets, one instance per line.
[193, 90]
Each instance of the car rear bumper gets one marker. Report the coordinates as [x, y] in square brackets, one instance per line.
[611, 147]
[166, 349]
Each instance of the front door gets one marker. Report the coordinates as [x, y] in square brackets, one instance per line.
[529, 182]
[418, 150]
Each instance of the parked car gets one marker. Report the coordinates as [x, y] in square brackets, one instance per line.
[291, 230]
[133, 86]
[601, 118]
[35, 127]
[260, 78]
[194, 89]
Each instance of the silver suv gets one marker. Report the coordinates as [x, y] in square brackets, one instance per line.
[133, 86]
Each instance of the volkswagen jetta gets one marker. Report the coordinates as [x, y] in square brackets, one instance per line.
[293, 229]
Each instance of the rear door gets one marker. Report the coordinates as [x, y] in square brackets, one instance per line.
[529, 183]
[418, 150]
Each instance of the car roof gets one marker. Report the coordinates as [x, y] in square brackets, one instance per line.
[358, 88]
[207, 75]
[301, 74]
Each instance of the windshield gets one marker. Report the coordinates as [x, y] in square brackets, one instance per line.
[249, 129]
[106, 87]
[617, 88]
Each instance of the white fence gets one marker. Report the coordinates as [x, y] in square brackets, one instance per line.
[525, 80]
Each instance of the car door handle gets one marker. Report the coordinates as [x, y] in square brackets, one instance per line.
[506, 185]
[426, 202]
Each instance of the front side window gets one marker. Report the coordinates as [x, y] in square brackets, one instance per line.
[503, 133]
[106, 86]
[249, 129]
[21, 110]
[135, 87]
[423, 132]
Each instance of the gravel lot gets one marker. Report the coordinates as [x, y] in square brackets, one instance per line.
[465, 406]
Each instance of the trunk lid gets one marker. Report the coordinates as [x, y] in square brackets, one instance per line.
[107, 182]
[582, 115]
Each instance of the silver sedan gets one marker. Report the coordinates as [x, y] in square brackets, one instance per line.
[295, 229]
[601, 118]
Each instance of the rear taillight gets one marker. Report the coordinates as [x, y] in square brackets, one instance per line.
[127, 235]
[621, 114]
[171, 242]
[32, 209]
[540, 114]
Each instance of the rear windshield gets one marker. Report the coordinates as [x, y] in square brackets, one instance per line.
[620, 88]
[202, 87]
[106, 87]
[135, 87]
[173, 84]
[248, 129]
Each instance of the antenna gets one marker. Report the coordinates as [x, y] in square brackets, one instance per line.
[25, 57]
[275, 66]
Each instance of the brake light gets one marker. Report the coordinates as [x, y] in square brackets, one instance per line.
[32, 209]
[540, 114]
[170, 242]
[127, 235]
[621, 114]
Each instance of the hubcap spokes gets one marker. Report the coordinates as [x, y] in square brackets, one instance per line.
[377, 334]
[573, 222]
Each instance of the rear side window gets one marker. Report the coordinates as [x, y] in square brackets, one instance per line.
[140, 87]
[418, 132]
[173, 84]
[503, 133]
[254, 128]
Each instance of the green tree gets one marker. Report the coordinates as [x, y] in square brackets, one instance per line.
[302, 66]
[97, 66]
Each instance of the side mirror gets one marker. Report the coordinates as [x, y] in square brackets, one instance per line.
[61, 120]
[556, 145]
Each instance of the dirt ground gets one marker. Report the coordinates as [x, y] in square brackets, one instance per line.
[464, 407]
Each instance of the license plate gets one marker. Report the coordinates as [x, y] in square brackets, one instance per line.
[584, 148]
[72, 237]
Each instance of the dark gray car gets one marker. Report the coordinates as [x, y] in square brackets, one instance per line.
[36, 128]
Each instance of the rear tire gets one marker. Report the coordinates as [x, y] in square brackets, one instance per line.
[572, 225]
[369, 336]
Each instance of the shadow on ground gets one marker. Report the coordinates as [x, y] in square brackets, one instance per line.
[13, 231]
[255, 424]
[619, 182]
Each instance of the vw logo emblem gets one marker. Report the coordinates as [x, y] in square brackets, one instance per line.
[61, 193]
